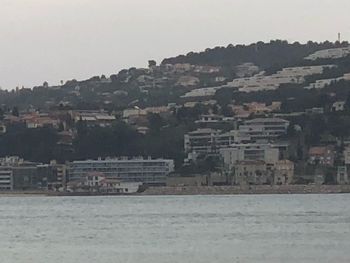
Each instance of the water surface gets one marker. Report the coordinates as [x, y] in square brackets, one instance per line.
[162, 229]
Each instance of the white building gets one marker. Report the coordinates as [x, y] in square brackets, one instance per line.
[332, 53]
[98, 182]
[267, 153]
[214, 119]
[148, 171]
[293, 75]
[264, 128]
[207, 141]
[203, 92]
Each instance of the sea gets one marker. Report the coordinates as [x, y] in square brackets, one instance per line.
[170, 229]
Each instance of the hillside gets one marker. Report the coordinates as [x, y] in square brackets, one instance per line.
[147, 111]
[166, 83]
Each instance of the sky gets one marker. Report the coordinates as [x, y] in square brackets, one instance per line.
[54, 40]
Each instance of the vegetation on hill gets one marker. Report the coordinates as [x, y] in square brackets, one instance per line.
[266, 55]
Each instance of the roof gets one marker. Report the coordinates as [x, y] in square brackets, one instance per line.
[319, 150]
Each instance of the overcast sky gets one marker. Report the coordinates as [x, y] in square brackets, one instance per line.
[53, 40]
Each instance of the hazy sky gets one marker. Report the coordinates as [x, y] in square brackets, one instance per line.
[53, 40]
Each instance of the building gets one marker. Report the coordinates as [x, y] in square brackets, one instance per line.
[322, 155]
[283, 172]
[347, 155]
[342, 175]
[147, 171]
[6, 179]
[202, 92]
[27, 175]
[251, 173]
[292, 75]
[332, 53]
[94, 118]
[264, 128]
[210, 141]
[194, 180]
[267, 153]
[214, 119]
[110, 185]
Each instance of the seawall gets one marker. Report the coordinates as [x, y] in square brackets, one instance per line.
[259, 189]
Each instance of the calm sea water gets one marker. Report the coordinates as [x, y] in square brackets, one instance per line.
[161, 229]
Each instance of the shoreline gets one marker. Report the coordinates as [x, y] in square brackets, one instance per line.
[201, 190]
[249, 190]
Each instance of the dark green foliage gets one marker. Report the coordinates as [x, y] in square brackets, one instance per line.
[270, 56]
[31, 144]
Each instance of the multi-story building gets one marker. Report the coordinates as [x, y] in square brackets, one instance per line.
[209, 141]
[148, 171]
[267, 153]
[264, 128]
[29, 175]
[6, 179]
[251, 172]
[283, 172]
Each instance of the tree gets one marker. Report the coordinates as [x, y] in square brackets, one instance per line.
[15, 111]
[152, 63]
[155, 122]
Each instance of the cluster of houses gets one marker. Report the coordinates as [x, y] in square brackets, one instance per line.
[258, 151]
[252, 151]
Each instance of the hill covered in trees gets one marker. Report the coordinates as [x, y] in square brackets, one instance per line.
[265, 55]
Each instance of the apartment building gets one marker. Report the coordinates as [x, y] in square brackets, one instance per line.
[267, 153]
[148, 171]
[251, 173]
[6, 179]
[210, 141]
[264, 128]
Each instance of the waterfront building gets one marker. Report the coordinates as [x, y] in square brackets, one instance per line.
[251, 173]
[267, 153]
[148, 171]
[283, 172]
[6, 179]
[98, 182]
[27, 175]
[342, 175]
